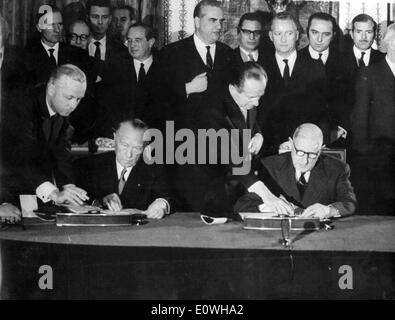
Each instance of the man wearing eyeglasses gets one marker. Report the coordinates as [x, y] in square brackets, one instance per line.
[122, 179]
[79, 34]
[306, 178]
[41, 57]
[249, 33]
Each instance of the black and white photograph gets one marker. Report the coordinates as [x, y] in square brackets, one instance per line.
[198, 155]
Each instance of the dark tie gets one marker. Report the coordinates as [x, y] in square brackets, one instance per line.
[122, 181]
[302, 184]
[52, 58]
[209, 59]
[97, 51]
[320, 58]
[286, 73]
[56, 122]
[361, 62]
[141, 73]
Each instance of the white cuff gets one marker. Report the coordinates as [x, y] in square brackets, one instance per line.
[167, 210]
[255, 187]
[44, 190]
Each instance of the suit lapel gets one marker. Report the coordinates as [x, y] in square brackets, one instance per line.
[234, 113]
[286, 179]
[316, 184]
[135, 182]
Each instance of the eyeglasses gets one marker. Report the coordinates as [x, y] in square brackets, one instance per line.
[301, 153]
[247, 32]
[82, 37]
[129, 41]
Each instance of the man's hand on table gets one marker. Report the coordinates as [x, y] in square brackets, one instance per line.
[318, 210]
[10, 211]
[157, 209]
[113, 202]
[69, 195]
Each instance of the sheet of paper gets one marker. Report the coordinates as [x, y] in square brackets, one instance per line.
[28, 205]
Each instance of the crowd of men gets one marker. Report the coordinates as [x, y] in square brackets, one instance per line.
[108, 80]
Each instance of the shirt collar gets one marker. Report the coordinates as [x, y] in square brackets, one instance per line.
[255, 53]
[120, 168]
[50, 111]
[47, 47]
[147, 63]
[306, 175]
[315, 54]
[291, 61]
[102, 41]
[357, 54]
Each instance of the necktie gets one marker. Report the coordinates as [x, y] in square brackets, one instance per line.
[361, 62]
[286, 73]
[122, 181]
[320, 58]
[209, 59]
[141, 73]
[52, 57]
[251, 57]
[97, 51]
[302, 184]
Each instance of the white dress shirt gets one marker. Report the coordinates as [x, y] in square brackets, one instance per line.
[147, 64]
[245, 57]
[306, 175]
[56, 50]
[291, 62]
[92, 47]
[366, 57]
[315, 54]
[391, 64]
[201, 48]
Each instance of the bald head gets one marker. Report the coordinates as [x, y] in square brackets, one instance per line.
[311, 132]
[306, 146]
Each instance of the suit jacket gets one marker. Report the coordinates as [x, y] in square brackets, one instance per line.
[373, 116]
[180, 63]
[36, 63]
[121, 95]
[98, 175]
[348, 68]
[36, 148]
[208, 187]
[328, 184]
[303, 100]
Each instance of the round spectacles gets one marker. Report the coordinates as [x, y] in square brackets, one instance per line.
[310, 155]
[82, 37]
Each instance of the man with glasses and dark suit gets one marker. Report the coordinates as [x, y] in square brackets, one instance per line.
[305, 177]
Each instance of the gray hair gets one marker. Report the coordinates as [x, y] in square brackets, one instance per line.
[309, 131]
[68, 70]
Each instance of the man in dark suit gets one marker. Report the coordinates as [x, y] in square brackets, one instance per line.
[249, 33]
[294, 94]
[359, 54]
[42, 57]
[214, 186]
[36, 146]
[122, 179]
[321, 31]
[317, 183]
[103, 49]
[373, 130]
[129, 89]
[195, 65]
